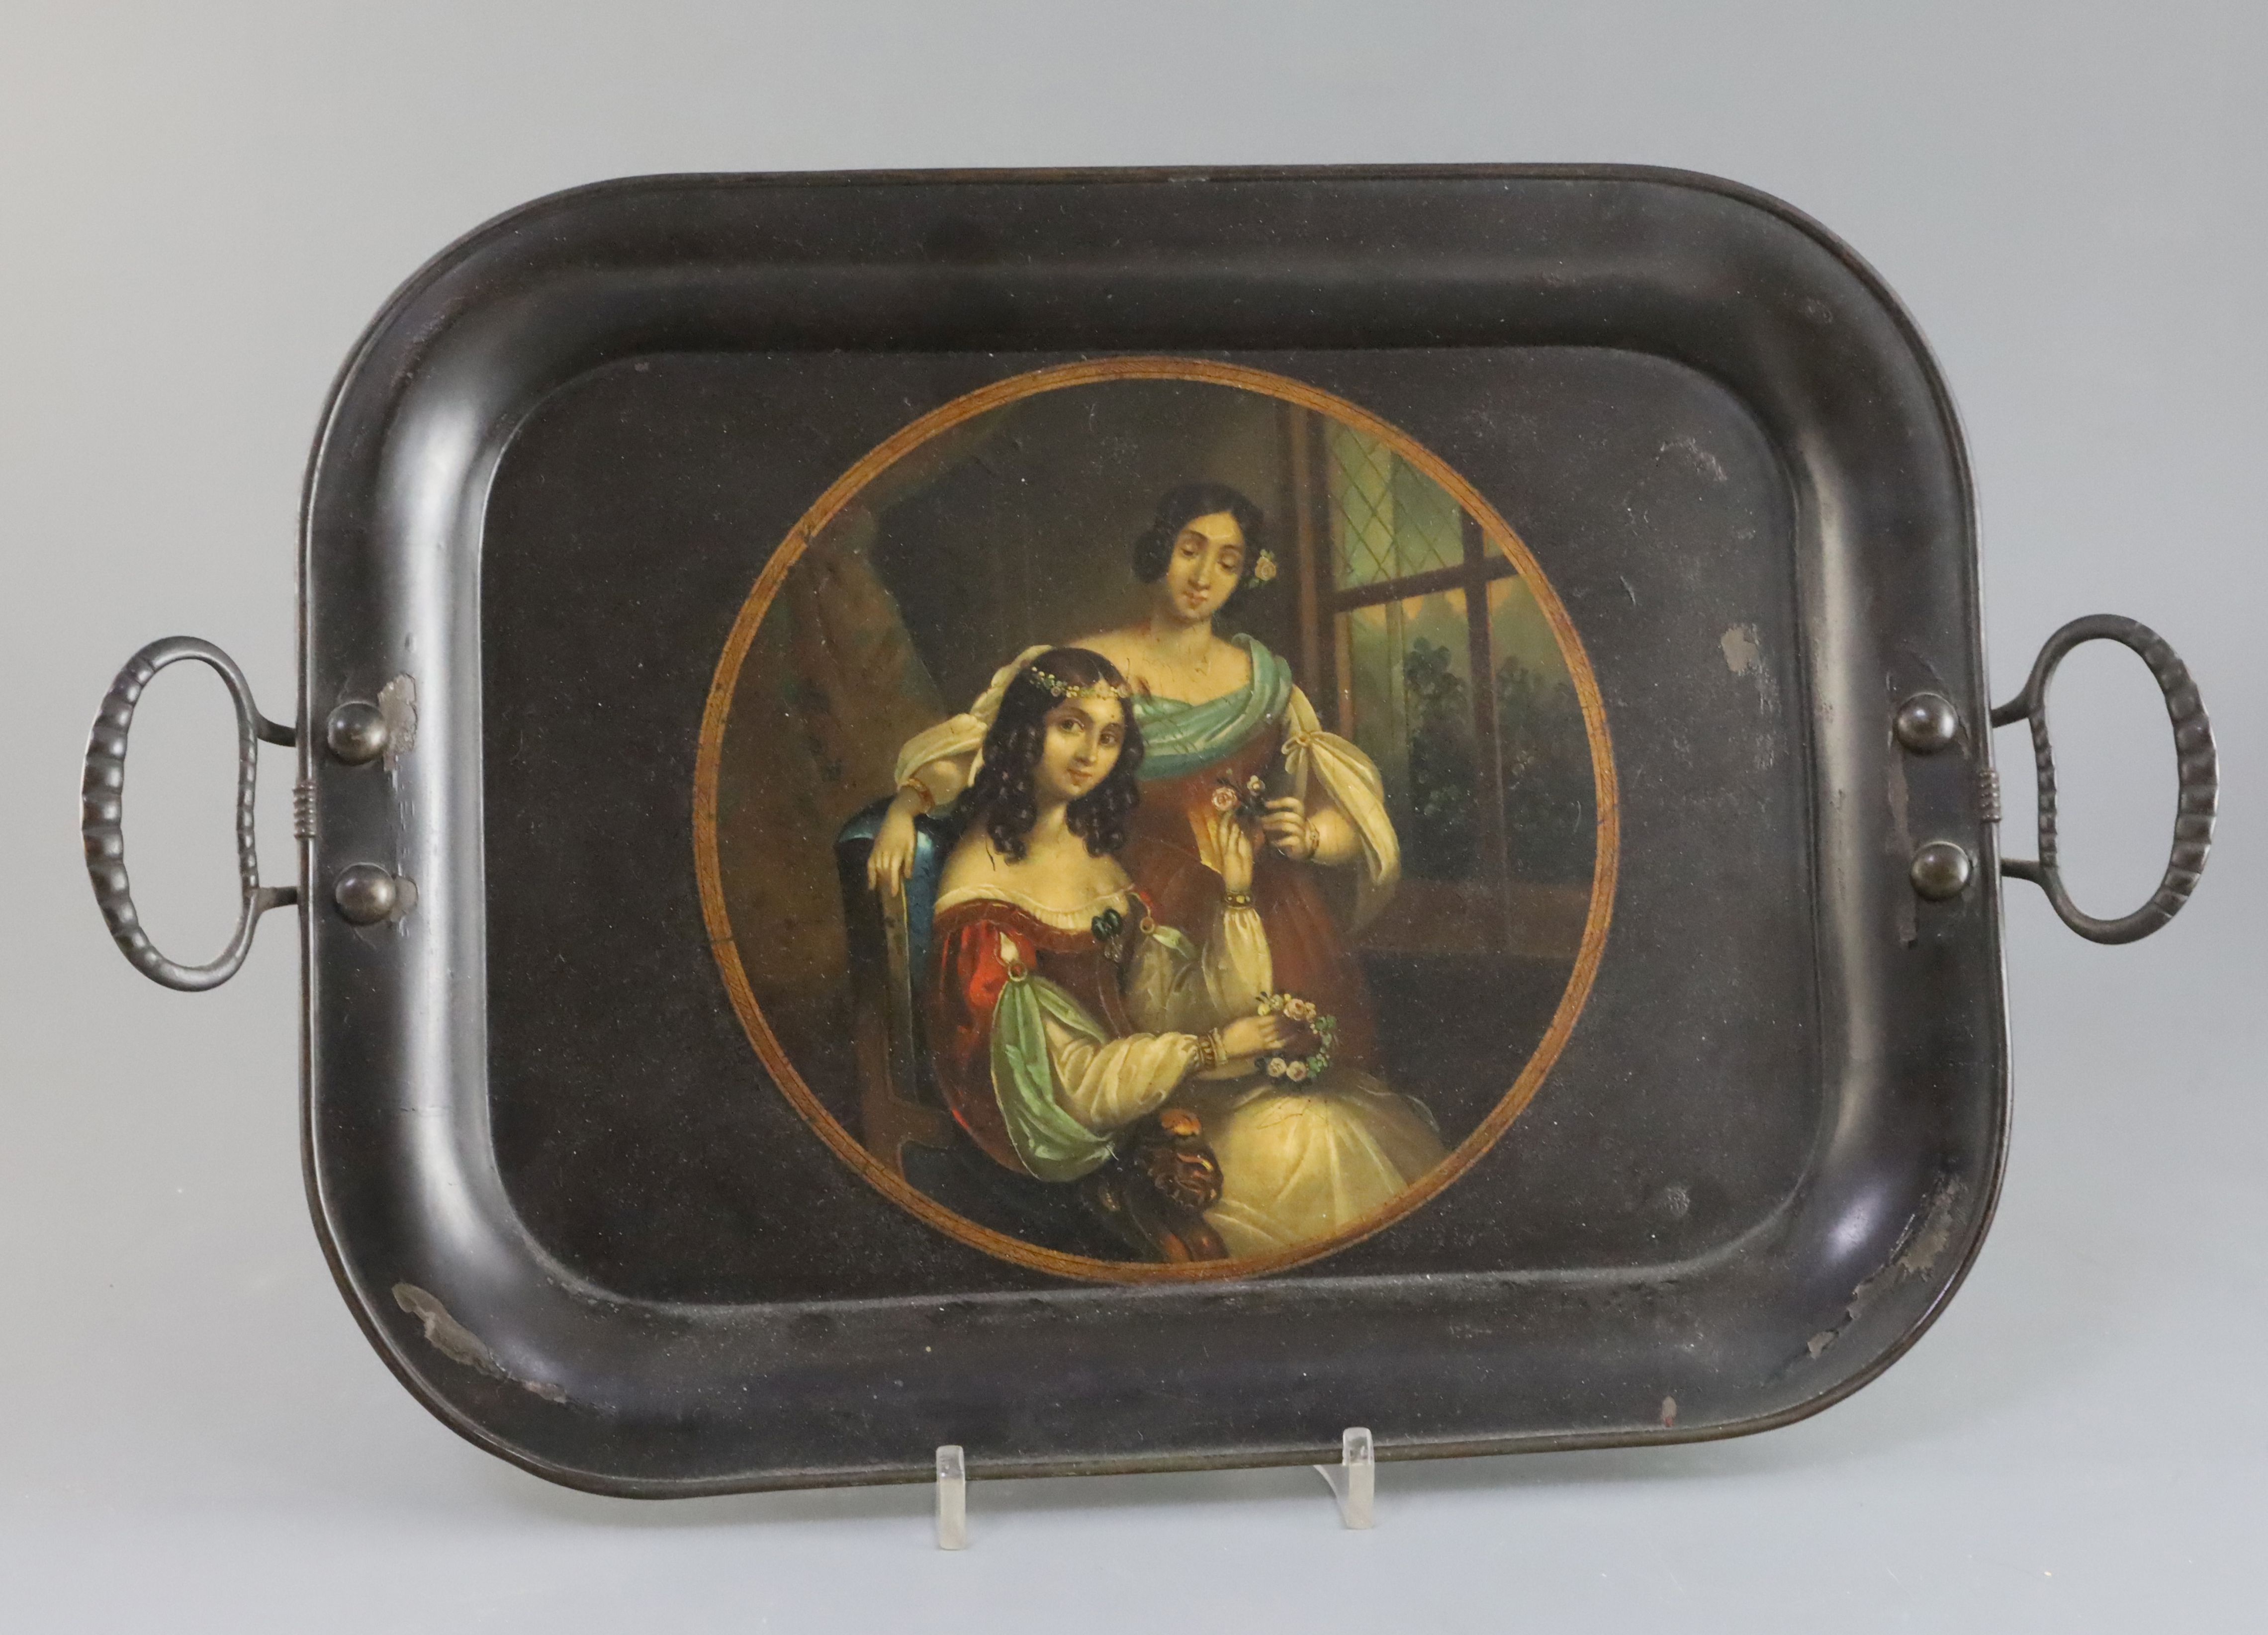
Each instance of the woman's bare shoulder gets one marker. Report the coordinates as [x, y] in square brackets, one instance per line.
[1112, 644]
[972, 862]
[1127, 652]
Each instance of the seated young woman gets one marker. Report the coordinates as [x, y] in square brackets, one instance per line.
[1060, 1012]
[1214, 709]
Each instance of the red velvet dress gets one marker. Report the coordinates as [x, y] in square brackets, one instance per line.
[966, 975]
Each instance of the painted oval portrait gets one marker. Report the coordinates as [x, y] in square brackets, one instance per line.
[1154, 821]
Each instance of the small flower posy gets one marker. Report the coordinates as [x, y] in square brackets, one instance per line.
[1300, 1069]
[1250, 801]
[1264, 567]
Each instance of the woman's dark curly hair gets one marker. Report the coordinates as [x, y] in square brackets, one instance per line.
[1185, 504]
[1003, 796]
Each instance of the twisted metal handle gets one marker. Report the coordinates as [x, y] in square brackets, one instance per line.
[2200, 777]
[101, 792]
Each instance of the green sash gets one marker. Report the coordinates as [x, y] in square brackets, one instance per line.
[1054, 1145]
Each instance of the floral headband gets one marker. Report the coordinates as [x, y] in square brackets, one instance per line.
[1058, 688]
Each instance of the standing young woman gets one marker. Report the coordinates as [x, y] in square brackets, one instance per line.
[1061, 1012]
[1215, 713]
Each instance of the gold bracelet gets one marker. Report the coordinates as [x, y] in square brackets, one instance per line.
[928, 800]
[1208, 1052]
[1238, 899]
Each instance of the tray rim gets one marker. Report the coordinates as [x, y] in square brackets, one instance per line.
[458, 250]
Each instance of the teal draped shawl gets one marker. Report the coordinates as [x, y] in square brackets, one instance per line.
[1183, 737]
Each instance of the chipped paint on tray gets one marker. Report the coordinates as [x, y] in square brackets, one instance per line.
[1687, 451]
[457, 1342]
[397, 707]
[1744, 656]
[1919, 1249]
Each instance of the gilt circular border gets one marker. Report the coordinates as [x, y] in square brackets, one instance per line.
[784, 1071]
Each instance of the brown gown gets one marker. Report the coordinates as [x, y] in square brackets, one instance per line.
[1165, 853]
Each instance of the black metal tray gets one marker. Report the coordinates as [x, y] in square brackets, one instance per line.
[608, 1213]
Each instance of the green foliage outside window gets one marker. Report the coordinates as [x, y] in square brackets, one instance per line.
[1549, 810]
[1547, 772]
[1442, 836]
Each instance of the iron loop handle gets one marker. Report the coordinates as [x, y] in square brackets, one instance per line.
[2200, 777]
[102, 791]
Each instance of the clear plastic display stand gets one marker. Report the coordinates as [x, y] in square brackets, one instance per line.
[1354, 1482]
[952, 1498]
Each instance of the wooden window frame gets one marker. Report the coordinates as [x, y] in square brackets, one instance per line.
[1324, 629]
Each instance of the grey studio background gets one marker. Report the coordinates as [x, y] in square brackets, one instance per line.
[201, 207]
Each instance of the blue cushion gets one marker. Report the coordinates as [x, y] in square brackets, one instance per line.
[934, 838]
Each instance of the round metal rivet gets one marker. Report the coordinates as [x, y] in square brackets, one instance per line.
[1927, 722]
[1940, 870]
[355, 732]
[366, 894]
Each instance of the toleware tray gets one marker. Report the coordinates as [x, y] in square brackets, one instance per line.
[1126, 818]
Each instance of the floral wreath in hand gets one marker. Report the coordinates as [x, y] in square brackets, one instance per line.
[1300, 1069]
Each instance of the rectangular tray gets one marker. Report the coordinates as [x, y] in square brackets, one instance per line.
[575, 1202]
